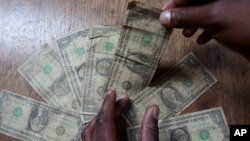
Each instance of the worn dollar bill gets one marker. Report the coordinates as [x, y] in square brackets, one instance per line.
[207, 125]
[73, 49]
[103, 43]
[142, 41]
[29, 120]
[173, 92]
[45, 74]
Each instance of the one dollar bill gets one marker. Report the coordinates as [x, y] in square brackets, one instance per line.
[173, 92]
[30, 120]
[142, 41]
[45, 74]
[73, 50]
[103, 43]
[207, 125]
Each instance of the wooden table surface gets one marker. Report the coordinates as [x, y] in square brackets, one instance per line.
[27, 24]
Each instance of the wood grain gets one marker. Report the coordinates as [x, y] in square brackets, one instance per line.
[27, 24]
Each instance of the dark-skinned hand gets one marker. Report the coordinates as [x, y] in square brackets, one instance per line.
[103, 127]
[226, 21]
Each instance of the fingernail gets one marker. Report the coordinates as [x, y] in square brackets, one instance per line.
[165, 17]
[156, 112]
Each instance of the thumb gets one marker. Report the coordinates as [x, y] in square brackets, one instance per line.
[149, 128]
[189, 17]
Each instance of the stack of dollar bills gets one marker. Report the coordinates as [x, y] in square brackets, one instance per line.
[74, 79]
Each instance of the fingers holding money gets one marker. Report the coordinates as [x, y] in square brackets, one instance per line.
[103, 125]
[149, 128]
[189, 17]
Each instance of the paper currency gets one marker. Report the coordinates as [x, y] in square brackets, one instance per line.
[104, 40]
[45, 74]
[73, 49]
[142, 41]
[30, 120]
[173, 92]
[208, 125]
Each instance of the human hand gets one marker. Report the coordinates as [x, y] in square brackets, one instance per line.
[103, 126]
[226, 21]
